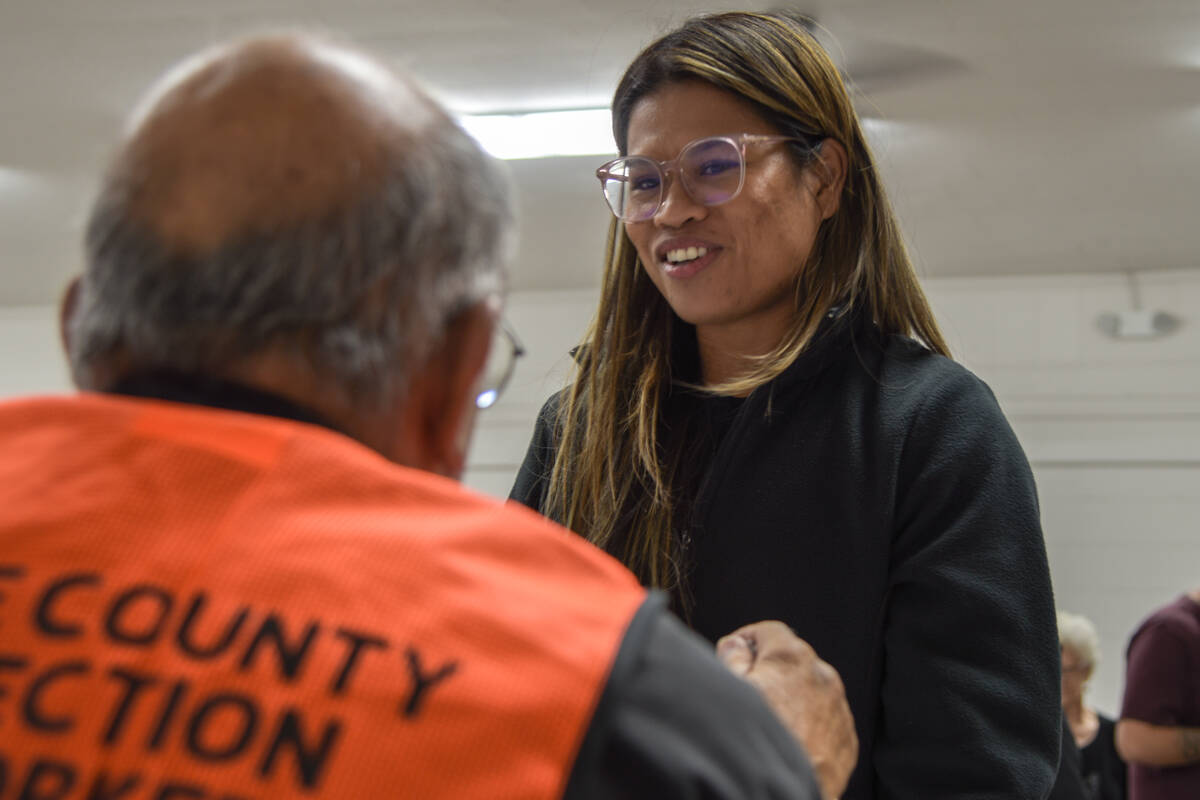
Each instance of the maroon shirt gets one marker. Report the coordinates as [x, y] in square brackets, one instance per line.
[1162, 687]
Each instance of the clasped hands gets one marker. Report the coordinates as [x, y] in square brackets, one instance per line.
[805, 692]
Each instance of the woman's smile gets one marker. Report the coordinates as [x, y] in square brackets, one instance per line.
[680, 258]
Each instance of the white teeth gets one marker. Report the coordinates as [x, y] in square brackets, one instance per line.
[686, 254]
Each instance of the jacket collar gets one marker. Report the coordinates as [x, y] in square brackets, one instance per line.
[843, 329]
[182, 387]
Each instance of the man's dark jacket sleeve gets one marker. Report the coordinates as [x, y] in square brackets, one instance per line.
[673, 722]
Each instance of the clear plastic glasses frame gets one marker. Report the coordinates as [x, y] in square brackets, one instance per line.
[712, 171]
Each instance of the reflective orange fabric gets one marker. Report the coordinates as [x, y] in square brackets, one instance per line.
[205, 604]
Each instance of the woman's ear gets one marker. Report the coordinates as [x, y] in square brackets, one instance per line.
[829, 167]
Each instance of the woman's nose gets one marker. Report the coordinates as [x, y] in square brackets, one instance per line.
[677, 206]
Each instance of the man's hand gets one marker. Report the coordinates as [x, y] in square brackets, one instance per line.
[803, 690]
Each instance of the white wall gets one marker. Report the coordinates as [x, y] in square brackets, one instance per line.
[31, 359]
[1112, 428]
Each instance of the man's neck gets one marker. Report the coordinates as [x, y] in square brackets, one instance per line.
[232, 395]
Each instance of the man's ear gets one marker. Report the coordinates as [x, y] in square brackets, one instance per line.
[830, 170]
[439, 411]
[66, 311]
[67, 308]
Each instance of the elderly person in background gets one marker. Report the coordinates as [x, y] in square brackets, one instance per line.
[239, 563]
[1103, 770]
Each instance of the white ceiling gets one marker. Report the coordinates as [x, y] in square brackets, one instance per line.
[1020, 136]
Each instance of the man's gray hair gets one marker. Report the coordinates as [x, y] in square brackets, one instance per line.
[358, 297]
[1079, 634]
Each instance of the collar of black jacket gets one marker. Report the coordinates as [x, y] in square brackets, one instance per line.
[845, 328]
[201, 390]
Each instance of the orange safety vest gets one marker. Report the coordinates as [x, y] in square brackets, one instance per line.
[198, 604]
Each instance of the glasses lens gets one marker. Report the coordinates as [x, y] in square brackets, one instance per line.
[502, 358]
[712, 170]
[633, 188]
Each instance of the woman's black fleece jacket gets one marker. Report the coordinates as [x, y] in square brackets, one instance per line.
[875, 499]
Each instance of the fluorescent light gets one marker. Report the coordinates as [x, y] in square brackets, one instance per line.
[18, 182]
[1191, 57]
[543, 134]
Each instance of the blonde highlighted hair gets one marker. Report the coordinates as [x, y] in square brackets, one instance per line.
[612, 479]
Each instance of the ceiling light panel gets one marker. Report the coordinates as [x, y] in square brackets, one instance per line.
[543, 134]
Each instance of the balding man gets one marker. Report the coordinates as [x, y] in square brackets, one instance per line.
[238, 565]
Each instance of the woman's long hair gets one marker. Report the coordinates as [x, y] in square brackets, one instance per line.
[613, 480]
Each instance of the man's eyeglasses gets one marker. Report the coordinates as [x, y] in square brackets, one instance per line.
[502, 359]
[712, 170]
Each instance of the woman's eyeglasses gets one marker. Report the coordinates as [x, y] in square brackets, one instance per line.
[712, 171]
[502, 359]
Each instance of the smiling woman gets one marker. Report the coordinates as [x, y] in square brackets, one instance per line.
[755, 226]
[764, 421]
